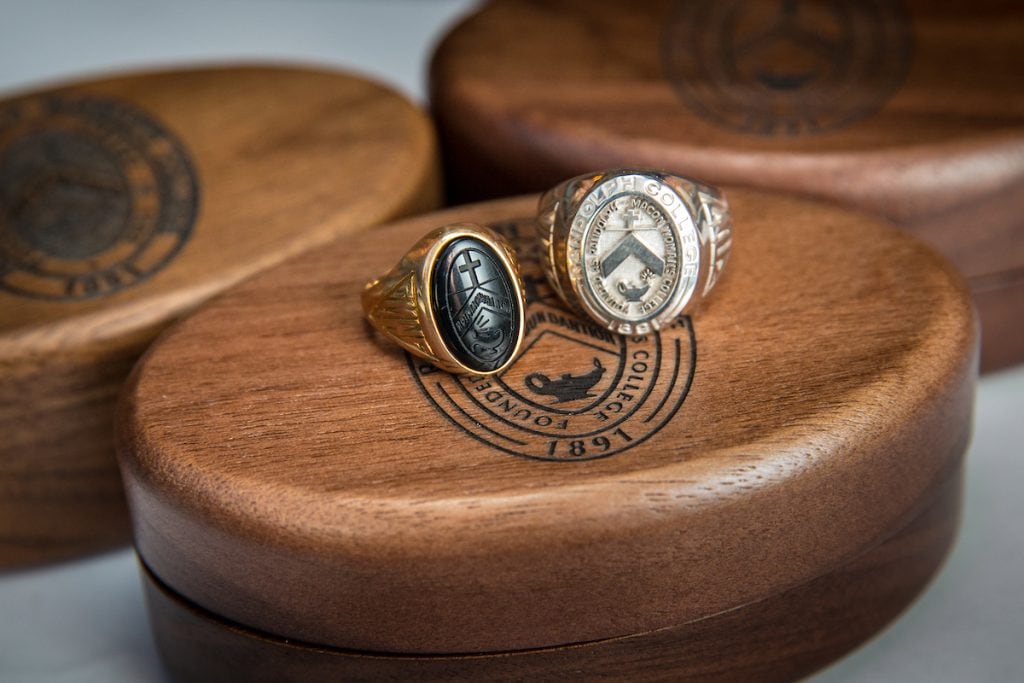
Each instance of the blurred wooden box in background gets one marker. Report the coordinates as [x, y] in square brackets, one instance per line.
[910, 110]
[125, 203]
[744, 496]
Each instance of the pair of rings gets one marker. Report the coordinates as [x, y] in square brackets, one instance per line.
[632, 250]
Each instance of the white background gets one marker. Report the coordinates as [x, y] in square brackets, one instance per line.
[85, 621]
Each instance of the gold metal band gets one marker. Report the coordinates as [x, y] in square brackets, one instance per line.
[400, 305]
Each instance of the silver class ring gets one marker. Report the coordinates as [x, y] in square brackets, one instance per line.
[634, 249]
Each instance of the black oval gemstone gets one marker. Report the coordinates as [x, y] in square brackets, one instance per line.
[475, 304]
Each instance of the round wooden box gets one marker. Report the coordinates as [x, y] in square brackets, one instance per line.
[744, 496]
[126, 202]
[910, 110]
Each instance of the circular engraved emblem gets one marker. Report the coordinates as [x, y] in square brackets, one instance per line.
[95, 196]
[576, 391]
[634, 250]
[475, 305]
[786, 67]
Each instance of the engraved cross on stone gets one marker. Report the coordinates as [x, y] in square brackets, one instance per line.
[469, 266]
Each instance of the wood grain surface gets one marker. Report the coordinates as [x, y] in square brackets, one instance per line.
[125, 203]
[780, 638]
[913, 111]
[294, 474]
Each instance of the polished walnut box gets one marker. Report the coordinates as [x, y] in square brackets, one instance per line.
[913, 111]
[125, 203]
[743, 496]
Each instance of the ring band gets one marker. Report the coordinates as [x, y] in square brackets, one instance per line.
[455, 299]
[634, 249]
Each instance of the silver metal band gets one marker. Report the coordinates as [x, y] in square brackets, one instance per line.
[686, 261]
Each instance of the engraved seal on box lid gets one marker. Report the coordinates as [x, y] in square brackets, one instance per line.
[786, 67]
[95, 196]
[576, 391]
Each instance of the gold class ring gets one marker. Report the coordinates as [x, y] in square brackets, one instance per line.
[634, 249]
[455, 299]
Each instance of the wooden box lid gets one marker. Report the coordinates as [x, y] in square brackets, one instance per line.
[126, 202]
[291, 473]
[910, 110]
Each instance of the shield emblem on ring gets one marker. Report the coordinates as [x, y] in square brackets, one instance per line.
[479, 313]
